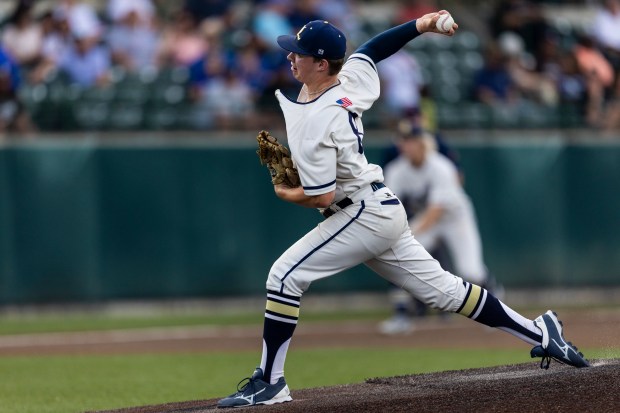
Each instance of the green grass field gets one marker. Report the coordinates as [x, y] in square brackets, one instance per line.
[66, 384]
[75, 384]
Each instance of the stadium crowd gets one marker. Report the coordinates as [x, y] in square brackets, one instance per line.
[230, 65]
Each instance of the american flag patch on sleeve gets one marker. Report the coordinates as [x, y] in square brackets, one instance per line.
[344, 102]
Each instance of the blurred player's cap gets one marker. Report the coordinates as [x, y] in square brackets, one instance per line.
[410, 130]
[318, 38]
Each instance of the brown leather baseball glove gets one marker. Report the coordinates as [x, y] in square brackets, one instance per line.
[278, 160]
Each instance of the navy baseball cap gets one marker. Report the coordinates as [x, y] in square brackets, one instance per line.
[317, 38]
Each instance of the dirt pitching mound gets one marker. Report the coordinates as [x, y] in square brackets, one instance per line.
[518, 388]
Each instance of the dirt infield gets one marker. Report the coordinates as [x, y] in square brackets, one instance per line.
[518, 388]
[587, 329]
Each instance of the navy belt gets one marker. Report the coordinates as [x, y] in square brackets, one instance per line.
[343, 203]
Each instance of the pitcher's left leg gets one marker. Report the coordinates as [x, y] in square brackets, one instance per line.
[411, 267]
[407, 264]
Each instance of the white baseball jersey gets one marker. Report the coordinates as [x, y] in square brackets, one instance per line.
[436, 182]
[326, 141]
[326, 134]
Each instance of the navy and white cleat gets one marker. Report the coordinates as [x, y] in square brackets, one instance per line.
[554, 346]
[257, 391]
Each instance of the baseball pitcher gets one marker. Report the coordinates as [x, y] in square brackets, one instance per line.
[364, 222]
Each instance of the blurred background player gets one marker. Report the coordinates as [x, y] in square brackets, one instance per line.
[441, 216]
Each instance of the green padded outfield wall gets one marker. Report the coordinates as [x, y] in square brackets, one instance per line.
[92, 221]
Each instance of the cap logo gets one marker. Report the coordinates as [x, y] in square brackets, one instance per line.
[299, 32]
[321, 51]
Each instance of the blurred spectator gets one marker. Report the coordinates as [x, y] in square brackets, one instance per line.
[304, 11]
[56, 35]
[259, 70]
[271, 20]
[144, 10]
[523, 17]
[592, 62]
[598, 75]
[86, 63]
[571, 83]
[71, 43]
[23, 36]
[203, 9]
[131, 37]
[56, 41]
[560, 67]
[182, 42]
[605, 30]
[402, 81]
[492, 84]
[13, 116]
[222, 95]
[412, 9]
[232, 44]
[274, 73]
[522, 68]
[548, 60]
[250, 67]
[343, 14]
[82, 20]
[230, 100]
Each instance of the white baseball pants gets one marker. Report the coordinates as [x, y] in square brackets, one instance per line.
[376, 234]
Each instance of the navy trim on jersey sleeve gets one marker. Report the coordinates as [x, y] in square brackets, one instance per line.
[389, 42]
[320, 186]
[365, 60]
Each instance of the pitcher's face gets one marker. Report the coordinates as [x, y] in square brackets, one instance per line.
[304, 67]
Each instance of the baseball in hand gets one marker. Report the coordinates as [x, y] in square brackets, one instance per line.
[445, 23]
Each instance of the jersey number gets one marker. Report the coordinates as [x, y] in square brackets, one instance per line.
[356, 131]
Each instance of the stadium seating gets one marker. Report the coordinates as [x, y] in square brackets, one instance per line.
[157, 99]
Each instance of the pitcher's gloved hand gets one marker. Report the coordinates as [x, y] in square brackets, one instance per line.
[277, 158]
